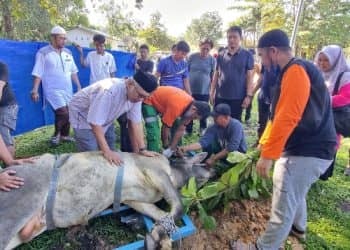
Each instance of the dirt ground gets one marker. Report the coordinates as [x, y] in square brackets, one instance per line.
[244, 220]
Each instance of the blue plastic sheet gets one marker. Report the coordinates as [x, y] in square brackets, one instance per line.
[20, 57]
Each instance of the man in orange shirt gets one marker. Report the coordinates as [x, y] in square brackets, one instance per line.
[172, 103]
[300, 135]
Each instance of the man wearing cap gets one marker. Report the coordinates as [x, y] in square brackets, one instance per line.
[173, 104]
[224, 136]
[300, 135]
[94, 109]
[55, 68]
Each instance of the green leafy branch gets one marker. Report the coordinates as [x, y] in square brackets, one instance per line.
[240, 181]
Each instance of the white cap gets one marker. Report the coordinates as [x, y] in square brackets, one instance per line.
[58, 30]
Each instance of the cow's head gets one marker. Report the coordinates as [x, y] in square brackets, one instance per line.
[185, 167]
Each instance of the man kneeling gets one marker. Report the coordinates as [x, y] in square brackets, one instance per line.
[223, 137]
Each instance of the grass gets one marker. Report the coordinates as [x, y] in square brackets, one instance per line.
[328, 225]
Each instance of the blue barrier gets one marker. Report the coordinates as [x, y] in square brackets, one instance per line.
[186, 230]
[20, 57]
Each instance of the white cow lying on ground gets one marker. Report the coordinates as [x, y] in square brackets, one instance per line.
[85, 187]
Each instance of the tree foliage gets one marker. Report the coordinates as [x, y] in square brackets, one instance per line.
[155, 35]
[32, 19]
[322, 22]
[208, 25]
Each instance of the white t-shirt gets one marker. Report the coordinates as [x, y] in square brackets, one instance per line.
[101, 66]
[55, 70]
[101, 103]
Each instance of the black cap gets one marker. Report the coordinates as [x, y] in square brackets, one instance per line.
[203, 109]
[276, 38]
[146, 81]
[221, 109]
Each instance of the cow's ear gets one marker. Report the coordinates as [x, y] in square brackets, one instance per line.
[198, 158]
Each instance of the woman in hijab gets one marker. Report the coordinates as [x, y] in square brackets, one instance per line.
[332, 63]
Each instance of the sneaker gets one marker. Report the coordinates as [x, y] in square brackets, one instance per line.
[55, 140]
[67, 139]
[202, 131]
[347, 171]
[300, 235]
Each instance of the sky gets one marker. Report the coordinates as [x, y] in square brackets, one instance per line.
[177, 14]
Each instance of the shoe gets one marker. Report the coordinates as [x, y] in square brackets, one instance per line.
[300, 235]
[202, 131]
[67, 139]
[55, 140]
[347, 171]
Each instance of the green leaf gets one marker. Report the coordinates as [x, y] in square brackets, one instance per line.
[254, 175]
[212, 203]
[191, 188]
[187, 203]
[253, 194]
[236, 157]
[235, 173]
[210, 190]
[208, 222]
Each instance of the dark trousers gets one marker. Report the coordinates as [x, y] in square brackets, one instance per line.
[248, 112]
[202, 122]
[235, 105]
[125, 144]
[264, 110]
[62, 124]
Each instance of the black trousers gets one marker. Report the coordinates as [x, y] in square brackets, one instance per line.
[202, 122]
[235, 105]
[264, 110]
[125, 144]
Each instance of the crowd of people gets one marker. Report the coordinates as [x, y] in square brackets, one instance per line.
[296, 126]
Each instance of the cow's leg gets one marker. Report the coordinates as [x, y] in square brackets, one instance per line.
[148, 209]
[33, 227]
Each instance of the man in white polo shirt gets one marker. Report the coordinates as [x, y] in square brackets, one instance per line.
[94, 109]
[55, 68]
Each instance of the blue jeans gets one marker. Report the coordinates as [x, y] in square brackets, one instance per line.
[86, 140]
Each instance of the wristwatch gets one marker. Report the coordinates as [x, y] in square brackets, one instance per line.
[142, 149]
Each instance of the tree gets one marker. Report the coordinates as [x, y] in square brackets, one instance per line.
[32, 19]
[258, 17]
[121, 24]
[208, 25]
[155, 35]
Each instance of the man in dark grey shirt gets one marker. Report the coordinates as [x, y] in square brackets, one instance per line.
[144, 63]
[233, 79]
[225, 136]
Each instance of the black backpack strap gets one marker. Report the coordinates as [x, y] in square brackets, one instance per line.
[337, 83]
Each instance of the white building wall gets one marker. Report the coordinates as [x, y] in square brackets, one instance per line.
[81, 37]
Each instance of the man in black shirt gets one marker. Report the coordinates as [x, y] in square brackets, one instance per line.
[143, 63]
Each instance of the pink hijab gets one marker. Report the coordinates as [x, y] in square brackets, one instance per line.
[337, 60]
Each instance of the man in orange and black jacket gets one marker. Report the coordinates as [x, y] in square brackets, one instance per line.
[300, 135]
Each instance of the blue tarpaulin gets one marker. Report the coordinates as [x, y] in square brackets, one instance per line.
[20, 58]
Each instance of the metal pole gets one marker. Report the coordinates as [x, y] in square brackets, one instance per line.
[296, 23]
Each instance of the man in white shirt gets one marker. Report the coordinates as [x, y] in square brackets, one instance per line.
[100, 62]
[94, 109]
[55, 68]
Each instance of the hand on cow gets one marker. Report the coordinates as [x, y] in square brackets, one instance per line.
[210, 162]
[263, 167]
[21, 161]
[8, 180]
[113, 157]
[149, 153]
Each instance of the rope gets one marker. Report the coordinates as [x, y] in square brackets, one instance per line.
[168, 223]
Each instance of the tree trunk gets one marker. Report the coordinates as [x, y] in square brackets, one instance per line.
[7, 18]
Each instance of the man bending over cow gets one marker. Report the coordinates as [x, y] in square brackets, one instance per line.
[93, 110]
[223, 137]
[177, 109]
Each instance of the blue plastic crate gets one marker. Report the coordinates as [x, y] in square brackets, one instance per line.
[184, 231]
